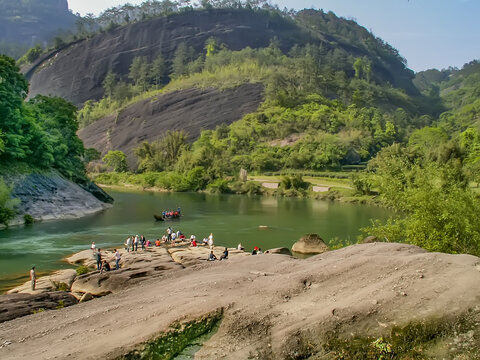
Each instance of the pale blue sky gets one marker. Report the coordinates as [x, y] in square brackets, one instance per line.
[428, 33]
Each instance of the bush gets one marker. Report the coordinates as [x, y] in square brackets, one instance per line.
[28, 219]
[81, 270]
[219, 186]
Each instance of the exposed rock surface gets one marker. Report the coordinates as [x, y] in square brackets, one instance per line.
[135, 267]
[13, 306]
[275, 307]
[60, 279]
[190, 256]
[77, 72]
[191, 110]
[310, 244]
[50, 196]
[281, 251]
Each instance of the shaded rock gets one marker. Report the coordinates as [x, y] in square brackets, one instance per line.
[50, 197]
[86, 297]
[310, 244]
[368, 240]
[135, 267]
[13, 306]
[59, 280]
[282, 251]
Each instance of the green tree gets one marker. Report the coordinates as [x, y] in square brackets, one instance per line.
[158, 69]
[109, 83]
[7, 204]
[140, 71]
[183, 55]
[117, 160]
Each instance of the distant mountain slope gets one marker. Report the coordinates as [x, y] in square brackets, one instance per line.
[191, 110]
[77, 72]
[26, 23]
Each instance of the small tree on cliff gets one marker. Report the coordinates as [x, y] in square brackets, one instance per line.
[117, 160]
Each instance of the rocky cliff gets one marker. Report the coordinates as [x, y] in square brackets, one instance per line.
[50, 196]
[77, 72]
[191, 110]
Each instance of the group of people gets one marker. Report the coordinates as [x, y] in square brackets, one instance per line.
[102, 263]
[133, 242]
[170, 237]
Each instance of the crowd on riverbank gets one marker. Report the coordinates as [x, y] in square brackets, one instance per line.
[171, 238]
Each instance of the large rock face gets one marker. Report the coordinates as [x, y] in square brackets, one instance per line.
[50, 196]
[77, 71]
[277, 307]
[310, 244]
[191, 110]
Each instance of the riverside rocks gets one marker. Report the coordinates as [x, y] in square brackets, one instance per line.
[51, 196]
[136, 267]
[310, 244]
[59, 280]
[276, 307]
[16, 305]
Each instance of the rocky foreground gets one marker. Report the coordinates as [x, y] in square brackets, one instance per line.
[359, 302]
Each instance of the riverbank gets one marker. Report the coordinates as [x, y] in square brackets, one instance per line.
[372, 299]
[315, 187]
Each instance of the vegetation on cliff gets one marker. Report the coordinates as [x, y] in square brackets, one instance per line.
[36, 135]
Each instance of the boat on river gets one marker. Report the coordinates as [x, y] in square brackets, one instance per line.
[167, 215]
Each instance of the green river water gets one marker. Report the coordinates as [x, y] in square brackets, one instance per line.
[231, 219]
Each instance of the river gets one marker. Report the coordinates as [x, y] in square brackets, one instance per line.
[231, 219]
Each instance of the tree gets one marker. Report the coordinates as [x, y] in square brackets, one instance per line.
[436, 210]
[109, 83]
[183, 55]
[158, 69]
[140, 71]
[211, 46]
[117, 160]
[7, 204]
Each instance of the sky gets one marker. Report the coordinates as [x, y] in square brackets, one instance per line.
[428, 33]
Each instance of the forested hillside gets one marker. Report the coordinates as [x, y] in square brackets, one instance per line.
[26, 23]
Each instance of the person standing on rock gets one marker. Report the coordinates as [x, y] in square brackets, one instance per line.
[93, 246]
[128, 243]
[169, 234]
[33, 277]
[98, 257]
[210, 241]
[142, 240]
[137, 239]
[117, 259]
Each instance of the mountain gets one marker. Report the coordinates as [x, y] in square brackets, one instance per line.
[77, 71]
[29, 22]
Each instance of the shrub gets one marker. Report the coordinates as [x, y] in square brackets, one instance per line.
[28, 219]
[81, 270]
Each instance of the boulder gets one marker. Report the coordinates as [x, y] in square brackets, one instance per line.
[310, 244]
[281, 250]
[369, 239]
[13, 306]
[135, 267]
[59, 280]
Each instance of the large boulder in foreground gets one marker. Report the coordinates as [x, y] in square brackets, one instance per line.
[16, 305]
[310, 244]
[333, 305]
